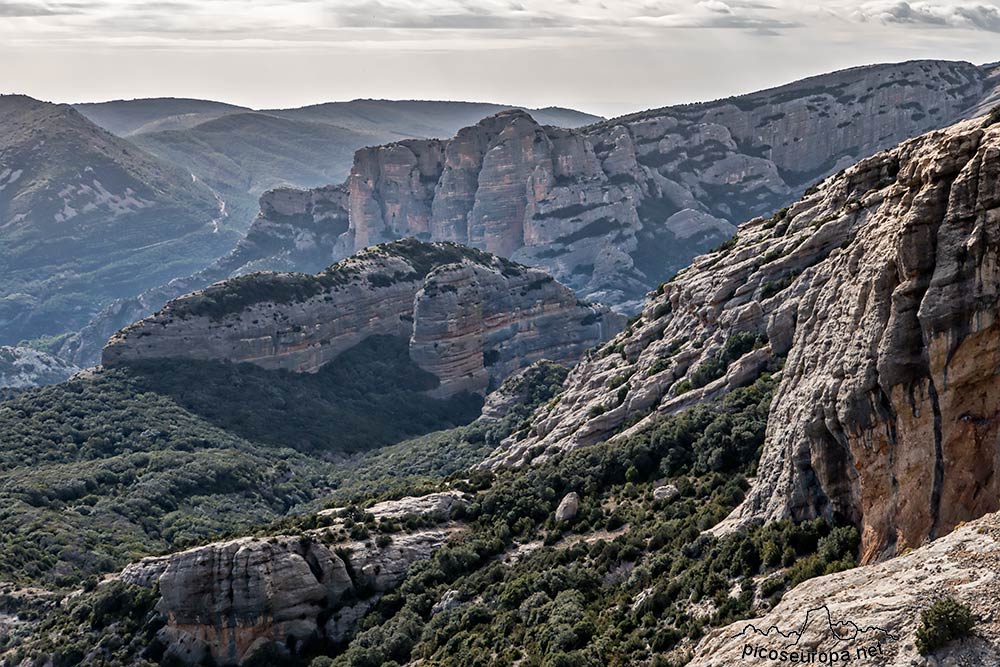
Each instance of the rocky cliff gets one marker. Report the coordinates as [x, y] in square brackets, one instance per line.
[611, 209]
[877, 295]
[254, 598]
[471, 318]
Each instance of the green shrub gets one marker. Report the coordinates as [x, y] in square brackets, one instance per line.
[946, 619]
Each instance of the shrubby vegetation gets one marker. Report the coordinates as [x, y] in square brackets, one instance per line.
[945, 620]
[94, 473]
[370, 396]
[629, 580]
[236, 294]
[625, 582]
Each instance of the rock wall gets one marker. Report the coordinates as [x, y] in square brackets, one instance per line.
[615, 208]
[878, 294]
[472, 319]
[612, 209]
[254, 597]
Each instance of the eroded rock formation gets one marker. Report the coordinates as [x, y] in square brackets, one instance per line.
[878, 293]
[614, 208]
[471, 318]
[232, 601]
[611, 209]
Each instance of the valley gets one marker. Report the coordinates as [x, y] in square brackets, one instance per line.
[446, 384]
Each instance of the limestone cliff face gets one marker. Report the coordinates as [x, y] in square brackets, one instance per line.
[229, 602]
[613, 209]
[878, 293]
[471, 318]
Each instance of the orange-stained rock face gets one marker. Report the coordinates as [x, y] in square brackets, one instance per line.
[879, 294]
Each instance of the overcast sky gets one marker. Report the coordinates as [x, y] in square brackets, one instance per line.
[604, 56]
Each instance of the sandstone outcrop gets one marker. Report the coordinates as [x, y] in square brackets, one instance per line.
[231, 601]
[472, 319]
[878, 607]
[878, 293]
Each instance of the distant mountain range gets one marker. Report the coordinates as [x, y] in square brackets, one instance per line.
[243, 152]
[610, 209]
[87, 217]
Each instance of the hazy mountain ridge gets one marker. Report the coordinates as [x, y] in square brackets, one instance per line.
[126, 117]
[244, 152]
[24, 367]
[86, 218]
[613, 208]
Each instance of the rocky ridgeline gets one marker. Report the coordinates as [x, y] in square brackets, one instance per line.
[877, 293]
[613, 209]
[471, 318]
[245, 600]
[610, 210]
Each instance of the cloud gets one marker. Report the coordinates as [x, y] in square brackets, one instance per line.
[25, 9]
[448, 16]
[722, 14]
[978, 16]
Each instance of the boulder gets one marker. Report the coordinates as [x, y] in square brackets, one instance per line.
[568, 507]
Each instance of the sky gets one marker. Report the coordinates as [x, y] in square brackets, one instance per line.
[607, 57]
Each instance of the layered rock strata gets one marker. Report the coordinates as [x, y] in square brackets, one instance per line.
[878, 294]
[472, 319]
[231, 602]
[614, 208]
[611, 209]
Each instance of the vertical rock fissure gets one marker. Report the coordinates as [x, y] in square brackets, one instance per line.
[938, 460]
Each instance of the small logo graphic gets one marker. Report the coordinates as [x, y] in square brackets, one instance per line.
[819, 640]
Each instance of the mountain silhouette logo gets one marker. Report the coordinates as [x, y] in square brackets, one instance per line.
[821, 639]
